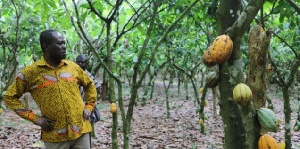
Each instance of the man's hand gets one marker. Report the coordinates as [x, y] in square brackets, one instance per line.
[86, 114]
[45, 123]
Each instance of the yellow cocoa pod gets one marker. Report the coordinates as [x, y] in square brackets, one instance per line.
[221, 49]
[242, 94]
[201, 122]
[207, 58]
[201, 90]
[195, 76]
[205, 103]
[282, 145]
[1, 111]
[267, 142]
[113, 108]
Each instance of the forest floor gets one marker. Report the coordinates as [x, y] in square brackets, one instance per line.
[150, 127]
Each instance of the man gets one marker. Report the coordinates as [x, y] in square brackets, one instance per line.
[53, 84]
[83, 62]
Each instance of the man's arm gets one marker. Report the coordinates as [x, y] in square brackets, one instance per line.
[12, 96]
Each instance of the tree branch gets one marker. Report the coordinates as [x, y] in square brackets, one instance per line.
[244, 20]
[295, 52]
[135, 18]
[294, 5]
[168, 30]
[72, 21]
[95, 11]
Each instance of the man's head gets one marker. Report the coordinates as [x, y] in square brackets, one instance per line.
[53, 45]
[82, 61]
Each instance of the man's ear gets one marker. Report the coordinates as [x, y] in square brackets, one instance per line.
[44, 45]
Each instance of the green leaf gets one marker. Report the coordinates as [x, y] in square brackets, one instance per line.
[46, 8]
[135, 58]
[99, 6]
[52, 4]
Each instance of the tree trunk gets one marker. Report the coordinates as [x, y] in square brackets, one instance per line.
[232, 21]
[167, 85]
[256, 79]
[215, 98]
[186, 88]
[111, 90]
[287, 117]
[234, 131]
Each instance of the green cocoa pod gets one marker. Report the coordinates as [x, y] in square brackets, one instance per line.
[151, 71]
[296, 128]
[130, 72]
[212, 79]
[267, 119]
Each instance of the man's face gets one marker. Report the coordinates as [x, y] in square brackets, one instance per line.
[82, 62]
[57, 49]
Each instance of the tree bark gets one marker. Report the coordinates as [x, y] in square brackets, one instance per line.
[234, 22]
[287, 117]
[259, 42]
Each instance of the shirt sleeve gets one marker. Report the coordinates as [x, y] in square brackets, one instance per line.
[12, 96]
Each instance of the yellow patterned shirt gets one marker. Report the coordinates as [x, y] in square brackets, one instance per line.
[56, 92]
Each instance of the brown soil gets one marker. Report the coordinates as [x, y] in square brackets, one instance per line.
[150, 127]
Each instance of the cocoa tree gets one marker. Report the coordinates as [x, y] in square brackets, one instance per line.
[239, 125]
[285, 81]
[234, 20]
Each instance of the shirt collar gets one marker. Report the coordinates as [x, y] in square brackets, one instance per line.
[43, 62]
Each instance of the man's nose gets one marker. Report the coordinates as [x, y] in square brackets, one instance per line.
[64, 46]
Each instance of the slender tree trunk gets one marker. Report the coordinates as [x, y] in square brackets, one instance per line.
[152, 86]
[167, 101]
[215, 98]
[197, 99]
[167, 87]
[287, 117]
[111, 93]
[186, 88]
[104, 87]
[179, 83]
[127, 124]
[201, 112]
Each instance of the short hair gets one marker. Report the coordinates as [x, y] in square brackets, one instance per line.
[46, 37]
[81, 57]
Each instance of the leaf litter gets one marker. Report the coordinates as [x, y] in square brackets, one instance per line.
[150, 127]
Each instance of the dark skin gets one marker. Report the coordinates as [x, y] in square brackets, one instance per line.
[82, 61]
[54, 52]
